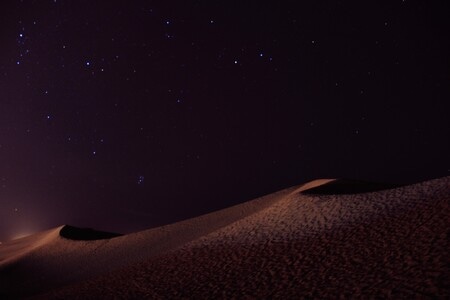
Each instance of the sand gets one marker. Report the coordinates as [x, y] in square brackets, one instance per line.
[290, 244]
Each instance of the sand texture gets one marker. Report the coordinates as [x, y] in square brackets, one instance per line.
[290, 244]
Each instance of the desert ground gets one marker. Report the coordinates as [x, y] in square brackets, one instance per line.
[325, 239]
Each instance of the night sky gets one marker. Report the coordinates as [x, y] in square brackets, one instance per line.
[124, 115]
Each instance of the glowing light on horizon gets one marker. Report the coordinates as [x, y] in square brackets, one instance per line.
[21, 235]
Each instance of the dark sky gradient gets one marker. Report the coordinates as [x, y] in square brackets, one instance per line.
[122, 115]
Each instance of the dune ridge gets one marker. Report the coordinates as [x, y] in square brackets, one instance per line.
[389, 243]
[16, 249]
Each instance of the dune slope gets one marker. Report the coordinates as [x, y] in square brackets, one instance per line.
[289, 244]
[37, 263]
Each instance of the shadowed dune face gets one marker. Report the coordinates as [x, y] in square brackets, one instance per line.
[85, 234]
[348, 187]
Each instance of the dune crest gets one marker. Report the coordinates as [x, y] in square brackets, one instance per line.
[16, 249]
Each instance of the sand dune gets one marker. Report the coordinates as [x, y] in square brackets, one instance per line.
[289, 244]
[48, 260]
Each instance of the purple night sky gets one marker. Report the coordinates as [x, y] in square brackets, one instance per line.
[123, 115]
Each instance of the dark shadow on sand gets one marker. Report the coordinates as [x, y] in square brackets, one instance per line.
[346, 186]
[85, 234]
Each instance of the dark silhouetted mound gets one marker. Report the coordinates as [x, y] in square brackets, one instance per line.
[345, 186]
[85, 234]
